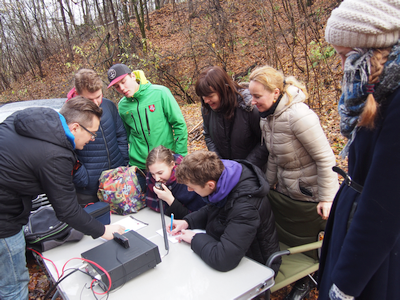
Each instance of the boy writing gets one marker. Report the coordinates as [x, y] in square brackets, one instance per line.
[238, 218]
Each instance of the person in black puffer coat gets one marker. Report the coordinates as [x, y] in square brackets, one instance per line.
[238, 218]
[37, 156]
[109, 150]
[231, 124]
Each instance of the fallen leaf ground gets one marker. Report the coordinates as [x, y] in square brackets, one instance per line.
[39, 284]
[58, 81]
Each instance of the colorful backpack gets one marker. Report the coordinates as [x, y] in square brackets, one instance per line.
[120, 188]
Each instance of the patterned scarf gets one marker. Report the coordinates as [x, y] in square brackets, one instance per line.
[355, 88]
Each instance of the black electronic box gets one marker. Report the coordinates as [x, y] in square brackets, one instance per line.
[123, 264]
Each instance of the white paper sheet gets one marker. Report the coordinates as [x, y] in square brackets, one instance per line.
[172, 238]
[131, 224]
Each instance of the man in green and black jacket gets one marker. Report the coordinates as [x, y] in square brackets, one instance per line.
[151, 116]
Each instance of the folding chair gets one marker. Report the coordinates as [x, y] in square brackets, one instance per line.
[299, 226]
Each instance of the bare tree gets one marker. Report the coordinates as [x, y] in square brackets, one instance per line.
[105, 10]
[146, 6]
[70, 15]
[125, 11]
[190, 8]
[139, 13]
[115, 20]
[71, 53]
[96, 3]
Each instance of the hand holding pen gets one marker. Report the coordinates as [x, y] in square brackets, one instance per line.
[177, 226]
[180, 227]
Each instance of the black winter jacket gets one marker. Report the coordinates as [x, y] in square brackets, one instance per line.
[239, 138]
[35, 158]
[108, 151]
[245, 226]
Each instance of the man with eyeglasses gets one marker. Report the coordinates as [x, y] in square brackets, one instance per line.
[93, 134]
[108, 148]
[37, 157]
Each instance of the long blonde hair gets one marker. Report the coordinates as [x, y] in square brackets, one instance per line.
[271, 79]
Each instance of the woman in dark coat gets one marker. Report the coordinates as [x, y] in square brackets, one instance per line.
[361, 249]
[231, 123]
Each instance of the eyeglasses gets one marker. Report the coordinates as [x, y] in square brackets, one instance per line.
[93, 135]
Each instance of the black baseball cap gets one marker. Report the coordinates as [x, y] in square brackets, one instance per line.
[116, 73]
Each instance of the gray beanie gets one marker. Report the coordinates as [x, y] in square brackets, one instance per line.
[364, 24]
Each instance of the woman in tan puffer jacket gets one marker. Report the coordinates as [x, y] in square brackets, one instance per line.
[301, 159]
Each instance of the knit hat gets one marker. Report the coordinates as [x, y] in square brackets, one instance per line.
[364, 24]
[116, 73]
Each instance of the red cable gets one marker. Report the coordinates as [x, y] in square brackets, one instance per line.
[97, 265]
[84, 259]
[44, 258]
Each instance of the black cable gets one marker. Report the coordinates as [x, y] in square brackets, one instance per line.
[57, 283]
[102, 285]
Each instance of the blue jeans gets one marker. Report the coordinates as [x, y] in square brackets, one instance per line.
[14, 275]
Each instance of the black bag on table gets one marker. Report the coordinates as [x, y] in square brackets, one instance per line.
[44, 231]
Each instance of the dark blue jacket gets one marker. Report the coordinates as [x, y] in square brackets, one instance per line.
[108, 151]
[363, 259]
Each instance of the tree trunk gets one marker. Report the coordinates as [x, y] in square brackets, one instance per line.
[39, 24]
[105, 10]
[70, 15]
[96, 3]
[147, 14]
[190, 7]
[116, 27]
[6, 56]
[71, 53]
[140, 20]
[125, 11]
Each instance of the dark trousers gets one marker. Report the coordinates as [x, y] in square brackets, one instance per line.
[84, 199]
[141, 176]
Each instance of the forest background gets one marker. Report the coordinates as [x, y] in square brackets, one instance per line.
[44, 42]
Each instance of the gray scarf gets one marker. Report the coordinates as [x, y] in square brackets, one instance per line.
[355, 88]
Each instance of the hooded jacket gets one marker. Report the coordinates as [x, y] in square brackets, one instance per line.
[300, 158]
[152, 117]
[239, 138]
[36, 157]
[108, 151]
[243, 226]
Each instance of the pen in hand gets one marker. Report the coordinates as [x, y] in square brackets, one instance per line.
[172, 221]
